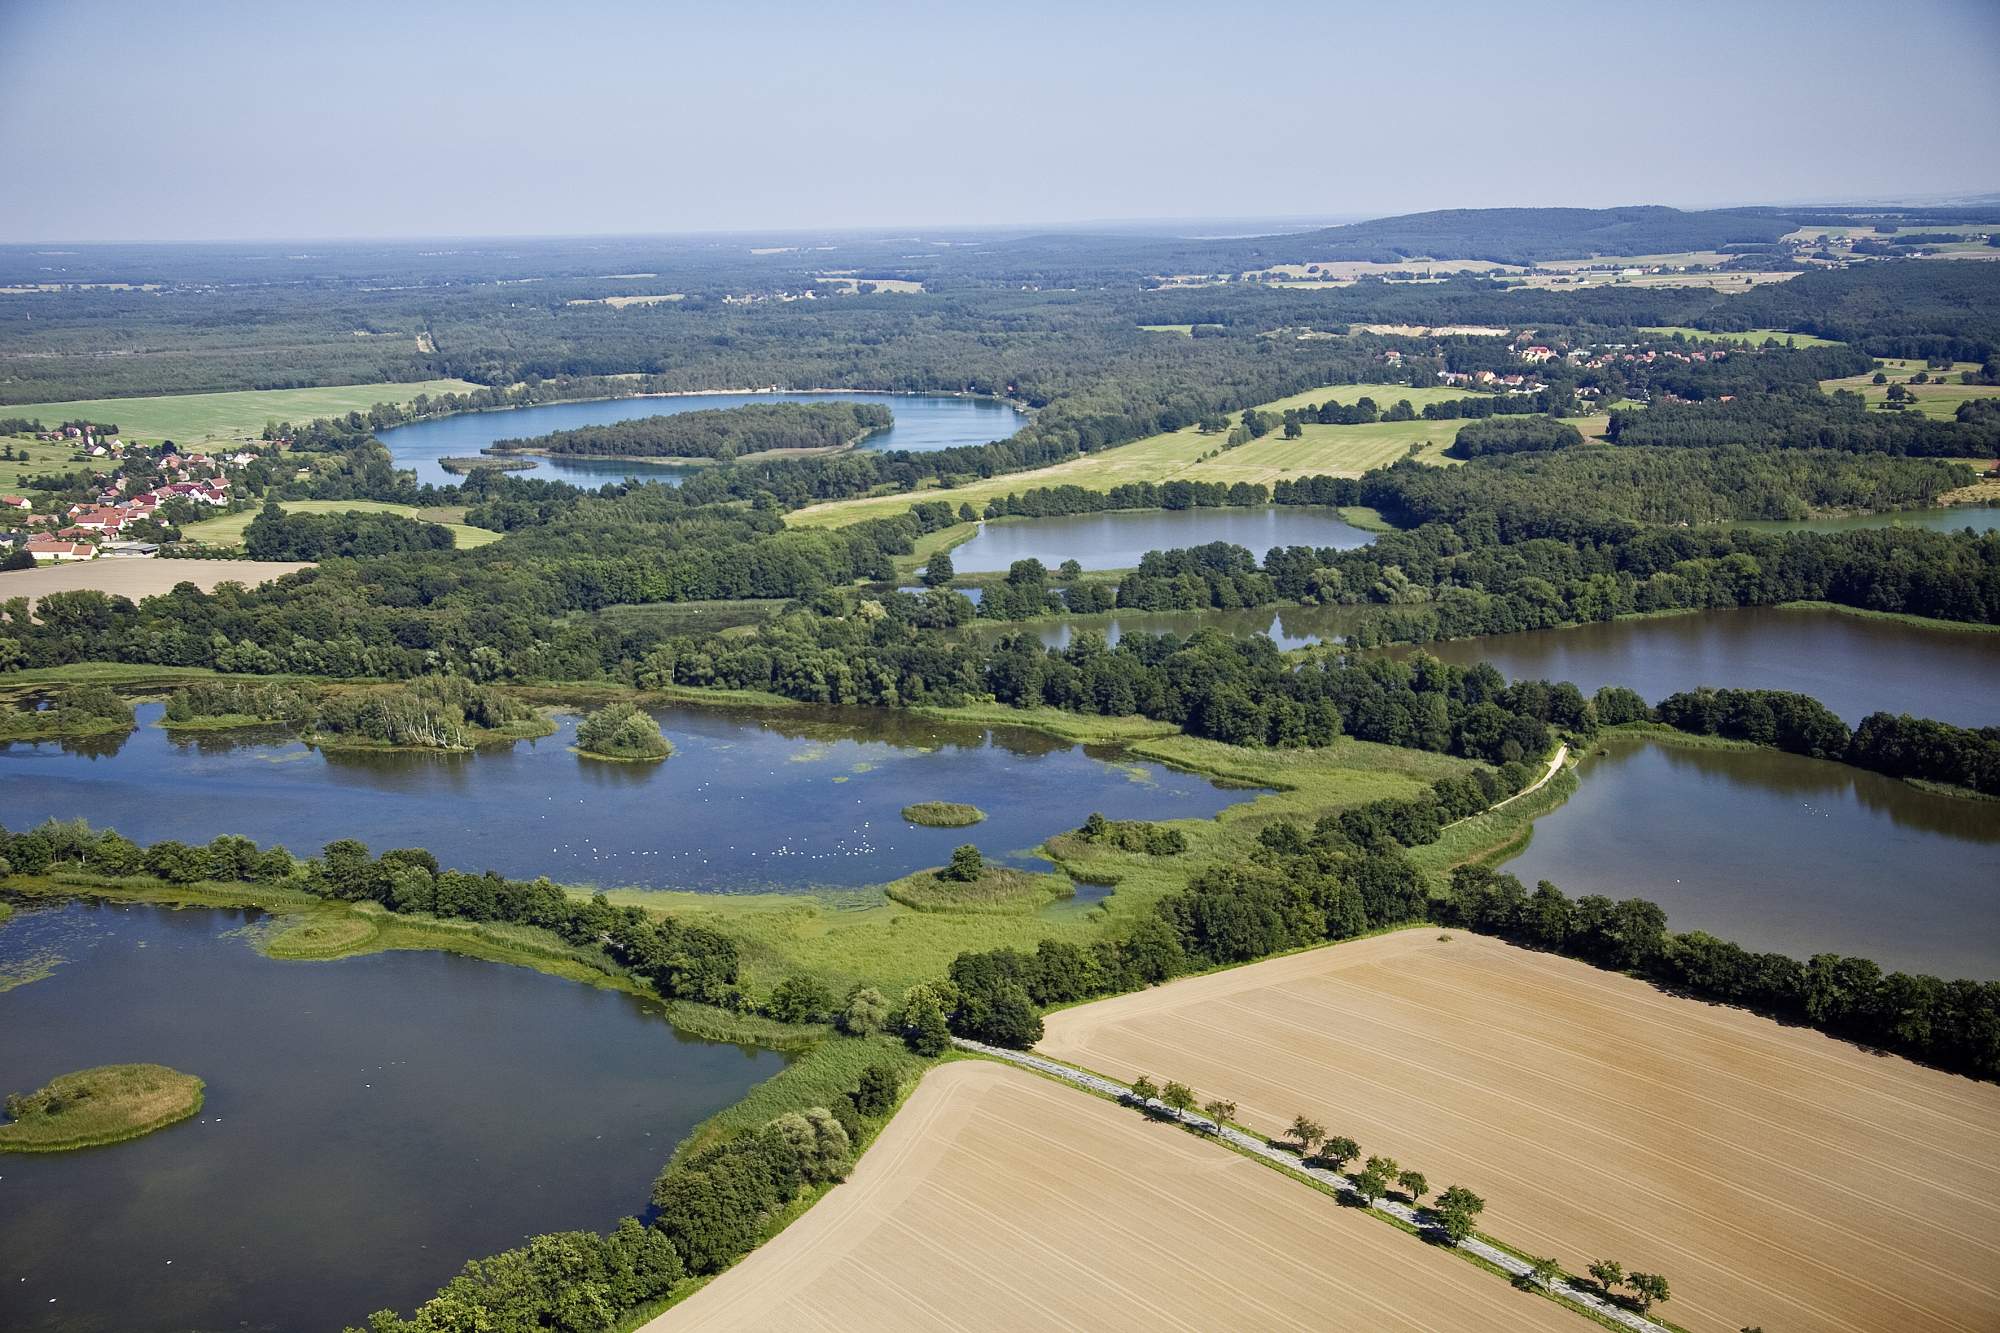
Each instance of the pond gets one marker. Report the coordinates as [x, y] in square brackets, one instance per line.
[924, 422]
[369, 1124]
[1779, 852]
[787, 799]
[1855, 665]
[1953, 518]
[1116, 540]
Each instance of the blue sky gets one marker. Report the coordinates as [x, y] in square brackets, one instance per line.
[222, 120]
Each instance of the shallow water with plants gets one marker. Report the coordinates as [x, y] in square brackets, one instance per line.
[924, 422]
[369, 1124]
[790, 798]
[1780, 852]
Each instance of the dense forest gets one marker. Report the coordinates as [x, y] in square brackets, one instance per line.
[721, 434]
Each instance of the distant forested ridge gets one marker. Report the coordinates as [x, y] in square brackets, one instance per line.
[721, 434]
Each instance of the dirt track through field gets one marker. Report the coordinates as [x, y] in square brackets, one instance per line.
[1776, 1176]
[1000, 1200]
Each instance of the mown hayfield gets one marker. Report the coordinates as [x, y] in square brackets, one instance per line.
[999, 1200]
[1933, 399]
[139, 578]
[189, 418]
[1777, 1177]
[1177, 455]
[227, 529]
[1748, 338]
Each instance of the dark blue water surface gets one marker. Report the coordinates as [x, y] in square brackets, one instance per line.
[369, 1124]
[924, 422]
[780, 800]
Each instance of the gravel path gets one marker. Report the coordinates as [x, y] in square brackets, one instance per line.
[1256, 1147]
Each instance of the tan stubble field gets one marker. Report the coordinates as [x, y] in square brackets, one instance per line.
[1777, 1177]
[997, 1199]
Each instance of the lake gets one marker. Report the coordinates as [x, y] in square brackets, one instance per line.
[370, 1124]
[1775, 851]
[1937, 518]
[1116, 539]
[1855, 665]
[787, 799]
[924, 422]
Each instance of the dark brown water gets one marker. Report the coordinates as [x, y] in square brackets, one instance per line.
[369, 1126]
[1778, 852]
[1853, 664]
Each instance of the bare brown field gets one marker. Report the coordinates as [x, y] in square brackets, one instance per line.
[999, 1200]
[1777, 1177]
[140, 578]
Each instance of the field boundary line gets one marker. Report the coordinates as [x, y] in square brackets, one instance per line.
[1487, 1253]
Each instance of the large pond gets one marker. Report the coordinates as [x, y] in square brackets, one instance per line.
[1117, 539]
[1938, 519]
[786, 799]
[1779, 852]
[1855, 665]
[369, 1124]
[924, 422]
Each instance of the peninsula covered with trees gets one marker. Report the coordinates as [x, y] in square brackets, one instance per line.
[716, 435]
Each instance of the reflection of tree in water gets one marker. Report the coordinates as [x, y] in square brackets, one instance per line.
[1824, 782]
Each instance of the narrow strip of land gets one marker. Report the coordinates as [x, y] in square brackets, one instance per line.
[1513, 1265]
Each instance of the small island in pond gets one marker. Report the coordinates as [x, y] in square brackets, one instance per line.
[714, 435]
[943, 814]
[91, 1107]
[971, 884]
[459, 466]
[622, 731]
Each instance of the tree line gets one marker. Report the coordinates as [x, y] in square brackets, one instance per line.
[721, 434]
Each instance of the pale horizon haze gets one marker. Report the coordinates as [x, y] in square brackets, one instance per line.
[210, 121]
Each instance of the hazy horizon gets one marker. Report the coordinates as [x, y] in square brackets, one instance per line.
[230, 122]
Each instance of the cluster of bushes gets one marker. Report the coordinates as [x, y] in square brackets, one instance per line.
[1133, 835]
[719, 433]
[1952, 1024]
[210, 699]
[1513, 435]
[436, 712]
[1900, 746]
[75, 711]
[277, 535]
[622, 731]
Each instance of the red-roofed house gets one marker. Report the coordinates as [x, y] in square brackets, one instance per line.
[50, 549]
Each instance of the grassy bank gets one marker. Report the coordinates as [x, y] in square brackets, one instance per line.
[93, 1107]
[1894, 617]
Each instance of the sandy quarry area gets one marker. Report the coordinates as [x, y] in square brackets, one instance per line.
[1777, 1177]
[140, 578]
[1000, 1200]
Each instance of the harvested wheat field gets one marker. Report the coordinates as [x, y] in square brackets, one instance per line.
[140, 578]
[999, 1200]
[1777, 1177]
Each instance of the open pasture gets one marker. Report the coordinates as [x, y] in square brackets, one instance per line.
[1177, 456]
[191, 418]
[135, 578]
[997, 1199]
[1938, 398]
[1748, 338]
[1778, 1177]
[227, 529]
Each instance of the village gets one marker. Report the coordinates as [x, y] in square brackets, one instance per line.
[143, 494]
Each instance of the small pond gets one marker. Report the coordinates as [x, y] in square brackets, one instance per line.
[1779, 852]
[1117, 539]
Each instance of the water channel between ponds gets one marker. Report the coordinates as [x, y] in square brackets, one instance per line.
[1780, 852]
[787, 799]
[369, 1124]
[1117, 539]
[924, 423]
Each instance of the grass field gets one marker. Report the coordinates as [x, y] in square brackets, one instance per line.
[996, 1199]
[1750, 338]
[1777, 1177]
[1332, 450]
[193, 417]
[42, 457]
[227, 530]
[93, 1107]
[139, 578]
[1939, 400]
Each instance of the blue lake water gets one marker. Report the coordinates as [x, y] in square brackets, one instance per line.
[924, 423]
